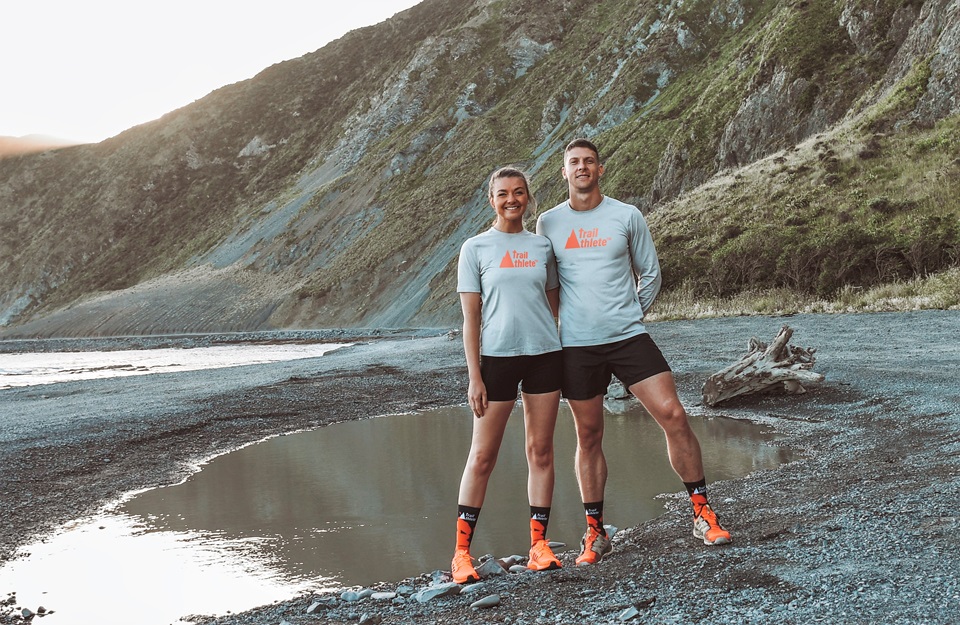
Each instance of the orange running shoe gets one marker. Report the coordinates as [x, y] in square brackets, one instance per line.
[707, 528]
[542, 558]
[593, 546]
[462, 567]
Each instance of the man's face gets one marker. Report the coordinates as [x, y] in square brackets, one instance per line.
[582, 169]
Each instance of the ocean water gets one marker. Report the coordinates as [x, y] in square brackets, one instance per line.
[28, 369]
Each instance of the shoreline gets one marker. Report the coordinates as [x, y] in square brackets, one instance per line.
[826, 537]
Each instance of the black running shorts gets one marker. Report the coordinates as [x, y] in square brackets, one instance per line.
[534, 374]
[587, 370]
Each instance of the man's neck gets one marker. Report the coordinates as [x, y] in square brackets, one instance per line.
[586, 201]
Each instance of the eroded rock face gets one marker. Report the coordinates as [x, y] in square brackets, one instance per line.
[936, 32]
[782, 109]
[770, 119]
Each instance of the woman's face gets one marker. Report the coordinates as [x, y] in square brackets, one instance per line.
[509, 198]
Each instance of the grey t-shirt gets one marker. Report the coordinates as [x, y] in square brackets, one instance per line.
[512, 272]
[609, 271]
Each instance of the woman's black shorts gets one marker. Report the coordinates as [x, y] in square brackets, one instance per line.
[534, 374]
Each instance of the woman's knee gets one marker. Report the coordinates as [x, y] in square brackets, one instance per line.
[540, 455]
[481, 462]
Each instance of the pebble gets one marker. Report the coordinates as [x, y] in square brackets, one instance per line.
[383, 596]
[628, 614]
[490, 568]
[432, 592]
[489, 601]
[353, 595]
[473, 589]
[371, 619]
[519, 568]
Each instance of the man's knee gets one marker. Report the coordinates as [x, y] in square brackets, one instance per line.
[589, 435]
[673, 419]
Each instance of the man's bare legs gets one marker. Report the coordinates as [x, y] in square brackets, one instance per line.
[591, 469]
[590, 462]
[658, 395]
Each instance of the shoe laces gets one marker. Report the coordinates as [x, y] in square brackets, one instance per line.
[706, 513]
[541, 549]
[461, 559]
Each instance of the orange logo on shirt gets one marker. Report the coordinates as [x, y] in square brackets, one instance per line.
[517, 259]
[585, 238]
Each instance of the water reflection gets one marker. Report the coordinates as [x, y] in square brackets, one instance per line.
[348, 504]
[375, 500]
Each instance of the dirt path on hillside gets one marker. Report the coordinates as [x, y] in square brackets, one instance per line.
[860, 528]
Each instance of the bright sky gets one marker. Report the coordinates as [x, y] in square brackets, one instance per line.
[87, 70]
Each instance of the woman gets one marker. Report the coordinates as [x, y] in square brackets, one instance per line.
[508, 287]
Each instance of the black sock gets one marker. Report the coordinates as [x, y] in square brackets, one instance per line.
[594, 512]
[466, 522]
[539, 518]
[698, 494]
[697, 488]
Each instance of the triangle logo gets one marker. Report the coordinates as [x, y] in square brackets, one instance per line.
[506, 262]
[572, 242]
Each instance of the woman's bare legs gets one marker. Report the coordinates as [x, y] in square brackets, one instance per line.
[484, 447]
[539, 422]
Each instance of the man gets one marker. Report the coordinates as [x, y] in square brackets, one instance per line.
[609, 277]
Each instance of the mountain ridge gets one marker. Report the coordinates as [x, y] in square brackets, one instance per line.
[334, 190]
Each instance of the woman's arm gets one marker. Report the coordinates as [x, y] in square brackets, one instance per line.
[477, 391]
[553, 298]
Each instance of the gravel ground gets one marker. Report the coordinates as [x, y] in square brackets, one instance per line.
[860, 528]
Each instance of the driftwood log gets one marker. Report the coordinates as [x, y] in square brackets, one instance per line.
[764, 368]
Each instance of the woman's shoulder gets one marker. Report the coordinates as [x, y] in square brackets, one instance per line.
[477, 239]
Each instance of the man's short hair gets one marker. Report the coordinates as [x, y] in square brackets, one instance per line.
[582, 143]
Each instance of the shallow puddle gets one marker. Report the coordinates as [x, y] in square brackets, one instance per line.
[348, 504]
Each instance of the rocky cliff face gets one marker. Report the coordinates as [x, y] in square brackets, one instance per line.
[335, 189]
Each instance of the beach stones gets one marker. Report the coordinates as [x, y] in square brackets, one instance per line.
[489, 601]
[432, 592]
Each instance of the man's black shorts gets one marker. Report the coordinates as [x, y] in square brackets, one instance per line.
[539, 374]
[587, 370]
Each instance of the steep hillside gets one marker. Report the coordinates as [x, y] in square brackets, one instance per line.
[808, 144]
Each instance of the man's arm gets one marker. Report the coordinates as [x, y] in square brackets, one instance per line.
[646, 264]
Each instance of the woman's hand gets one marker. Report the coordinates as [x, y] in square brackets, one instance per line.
[477, 396]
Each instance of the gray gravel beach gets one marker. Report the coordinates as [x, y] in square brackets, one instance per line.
[860, 528]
